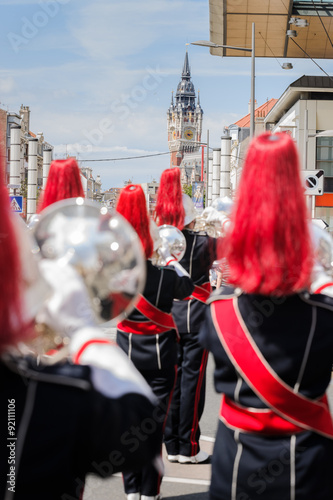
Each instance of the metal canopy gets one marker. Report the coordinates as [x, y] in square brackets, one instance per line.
[231, 24]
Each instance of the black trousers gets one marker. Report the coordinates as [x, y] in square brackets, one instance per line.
[182, 431]
[148, 480]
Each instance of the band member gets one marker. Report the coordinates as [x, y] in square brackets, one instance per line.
[182, 431]
[63, 181]
[149, 334]
[272, 341]
[169, 206]
[62, 421]
[322, 272]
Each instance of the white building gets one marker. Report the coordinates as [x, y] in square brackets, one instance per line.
[305, 110]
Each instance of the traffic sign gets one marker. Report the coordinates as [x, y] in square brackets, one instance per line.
[320, 223]
[313, 181]
[16, 203]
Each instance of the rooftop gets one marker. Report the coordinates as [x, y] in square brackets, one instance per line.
[260, 112]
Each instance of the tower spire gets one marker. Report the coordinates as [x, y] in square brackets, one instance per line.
[186, 68]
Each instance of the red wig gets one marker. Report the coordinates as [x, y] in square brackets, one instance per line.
[63, 181]
[268, 247]
[11, 322]
[132, 205]
[169, 204]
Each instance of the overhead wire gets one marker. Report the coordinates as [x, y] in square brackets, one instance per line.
[315, 7]
[323, 25]
[133, 157]
[269, 48]
[311, 59]
[128, 157]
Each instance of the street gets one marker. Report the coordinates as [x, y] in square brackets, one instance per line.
[181, 482]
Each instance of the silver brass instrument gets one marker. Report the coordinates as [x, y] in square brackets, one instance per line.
[322, 272]
[323, 249]
[172, 239]
[215, 219]
[102, 246]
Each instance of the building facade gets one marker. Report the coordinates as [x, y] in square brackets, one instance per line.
[22, 119]
[240, 138]
[184, 124]
[305, 111]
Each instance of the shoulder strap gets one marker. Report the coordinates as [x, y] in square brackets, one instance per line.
[242, 351]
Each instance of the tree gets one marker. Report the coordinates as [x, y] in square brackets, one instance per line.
[187, 189]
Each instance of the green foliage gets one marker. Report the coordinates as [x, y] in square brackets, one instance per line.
[187, 189]
[24, 188]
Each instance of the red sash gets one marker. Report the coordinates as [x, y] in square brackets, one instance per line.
[201, 292]
[260, 420]
[242, 351]
[159, 321]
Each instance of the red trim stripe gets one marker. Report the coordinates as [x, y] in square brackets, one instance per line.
[322, 287]
[159, 478]
[77, 356]
[195, 422]
[244, 354]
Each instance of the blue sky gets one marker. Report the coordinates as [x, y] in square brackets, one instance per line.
[98, 75]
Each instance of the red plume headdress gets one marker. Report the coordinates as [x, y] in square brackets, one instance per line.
[64, 181]
[11, 313]
[169, 204]
[132, 205]
[268, 247]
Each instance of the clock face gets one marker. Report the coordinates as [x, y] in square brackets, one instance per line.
[188, 134]
[174, 135]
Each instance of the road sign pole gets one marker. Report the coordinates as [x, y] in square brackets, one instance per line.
[313, 206]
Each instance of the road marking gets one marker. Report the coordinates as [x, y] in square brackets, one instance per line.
[207, 438]
[169, 479]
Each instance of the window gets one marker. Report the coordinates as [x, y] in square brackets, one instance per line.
[312, 7]
[324, 161]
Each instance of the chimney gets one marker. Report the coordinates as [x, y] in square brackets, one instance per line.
[255, 105]
[25, 115]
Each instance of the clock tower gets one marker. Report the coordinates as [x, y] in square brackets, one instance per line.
[184, 118]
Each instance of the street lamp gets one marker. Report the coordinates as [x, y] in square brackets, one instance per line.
[205, 43]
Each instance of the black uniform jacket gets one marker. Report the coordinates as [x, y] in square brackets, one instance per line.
[198, 259]
[295, 337]
[155, 351]
[56, 427]
[280, 328]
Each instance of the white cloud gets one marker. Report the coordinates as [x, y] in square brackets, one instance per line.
[19, 2]
[7, 85]
[117, 29]
[119, 32]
